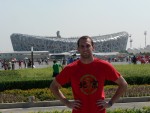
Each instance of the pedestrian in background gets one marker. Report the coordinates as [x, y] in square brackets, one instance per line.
[56, 68]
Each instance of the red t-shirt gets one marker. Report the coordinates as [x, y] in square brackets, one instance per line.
[87, 81]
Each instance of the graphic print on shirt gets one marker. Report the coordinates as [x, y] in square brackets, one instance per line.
[88, 84]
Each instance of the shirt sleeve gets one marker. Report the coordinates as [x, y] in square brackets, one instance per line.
[64, 76]
[111, 73]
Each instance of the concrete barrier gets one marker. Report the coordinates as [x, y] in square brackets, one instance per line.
[58, 103]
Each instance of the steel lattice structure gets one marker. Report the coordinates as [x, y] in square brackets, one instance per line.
[106, 43]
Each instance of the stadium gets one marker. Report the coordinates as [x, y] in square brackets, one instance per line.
[115, 42]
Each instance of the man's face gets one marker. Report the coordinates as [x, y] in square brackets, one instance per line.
[85, 48]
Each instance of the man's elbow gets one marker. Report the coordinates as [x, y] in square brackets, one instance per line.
[124, 85]
[51, 86]
[54, 85]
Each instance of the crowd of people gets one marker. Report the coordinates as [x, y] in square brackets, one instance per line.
[138, 59]
[13, 63]
[9, 64]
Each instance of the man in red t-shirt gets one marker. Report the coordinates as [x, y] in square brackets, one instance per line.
[87, 77]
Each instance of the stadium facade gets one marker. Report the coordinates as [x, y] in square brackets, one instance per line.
[115, 42]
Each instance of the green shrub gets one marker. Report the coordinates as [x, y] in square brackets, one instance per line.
[42, 77]
[45, 94]
[30, 84]
[25, 78]
[133, 110]
[143, 110]
[134, 70]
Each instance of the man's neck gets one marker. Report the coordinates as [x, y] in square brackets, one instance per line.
[87, 60]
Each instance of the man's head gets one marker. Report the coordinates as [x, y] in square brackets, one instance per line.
[84, 38]
[85, 46]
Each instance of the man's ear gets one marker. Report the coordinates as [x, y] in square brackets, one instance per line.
[78, 49]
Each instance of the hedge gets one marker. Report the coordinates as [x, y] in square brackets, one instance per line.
[42, 77]
[24, 84]
[132, 80]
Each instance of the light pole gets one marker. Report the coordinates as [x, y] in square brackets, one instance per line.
[145, 33]
[32, 56]
[130, 41]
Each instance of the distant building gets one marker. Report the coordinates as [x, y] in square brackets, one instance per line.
[139, 50]
[115, 42]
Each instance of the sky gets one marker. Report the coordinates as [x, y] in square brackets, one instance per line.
[74, 18]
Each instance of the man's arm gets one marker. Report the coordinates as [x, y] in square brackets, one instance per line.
[122, 87]
[54, 87]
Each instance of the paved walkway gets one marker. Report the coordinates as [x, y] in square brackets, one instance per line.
[50, 63]
[43, 65]
[34, 107]
[136, 105]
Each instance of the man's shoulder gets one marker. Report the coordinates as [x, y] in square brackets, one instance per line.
[101, 61]
[73, 64]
